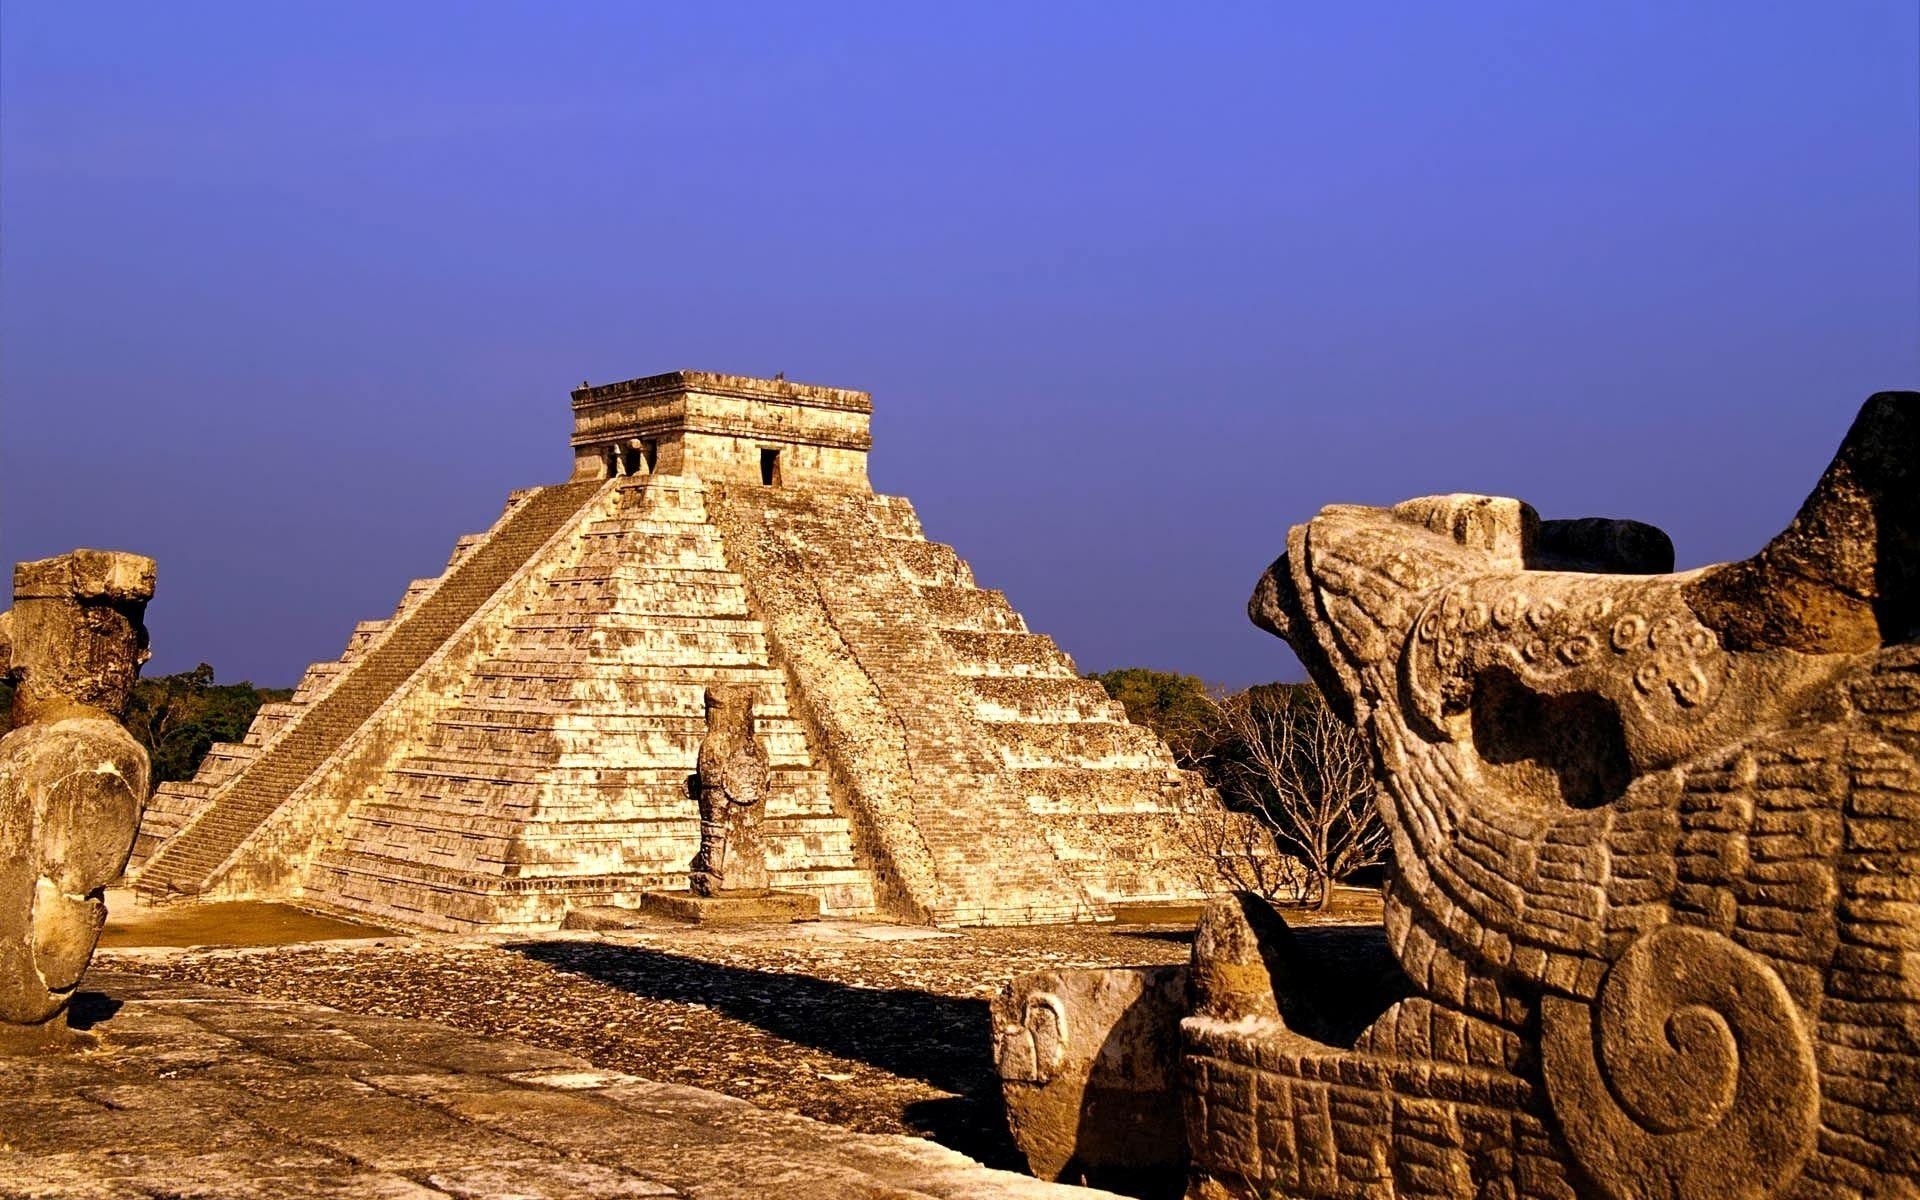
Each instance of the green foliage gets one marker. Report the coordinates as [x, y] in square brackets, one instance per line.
[178, 717]
[1177, 707]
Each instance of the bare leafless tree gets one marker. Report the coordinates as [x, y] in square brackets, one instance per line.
[1290, 761]
[1235, 851]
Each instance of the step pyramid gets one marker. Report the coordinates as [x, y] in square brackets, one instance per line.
[518, 738]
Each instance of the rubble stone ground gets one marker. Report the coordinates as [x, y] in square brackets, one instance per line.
[875, 1028]
[195, 1093]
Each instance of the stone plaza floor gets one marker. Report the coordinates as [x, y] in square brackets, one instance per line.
[255, 1050]
[195, 1091]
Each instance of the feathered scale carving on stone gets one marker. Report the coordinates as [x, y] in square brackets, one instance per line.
[1655, 902]
[1657, 843]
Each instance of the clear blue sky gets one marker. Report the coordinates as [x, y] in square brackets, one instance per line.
[292, 294]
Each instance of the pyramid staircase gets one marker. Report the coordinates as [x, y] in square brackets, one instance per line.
[176, 802]
[559, 776]
[242, 785]
[1104, 791]
[1016, 790]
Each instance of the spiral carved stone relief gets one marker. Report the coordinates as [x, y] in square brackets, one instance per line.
[1691, 1076]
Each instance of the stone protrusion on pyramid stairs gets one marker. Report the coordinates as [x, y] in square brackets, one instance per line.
[244, 793]
[533, 749]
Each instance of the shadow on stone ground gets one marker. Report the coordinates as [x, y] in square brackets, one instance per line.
[1182, 937]
[88, 1009]
[945, 1041]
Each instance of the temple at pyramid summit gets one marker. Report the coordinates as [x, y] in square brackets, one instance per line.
[516, 740]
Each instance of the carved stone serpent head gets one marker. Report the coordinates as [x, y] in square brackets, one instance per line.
[1629, 806]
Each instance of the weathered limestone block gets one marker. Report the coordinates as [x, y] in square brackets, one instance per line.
[1090, 1060]
[733, 793]
[1657, 842]
[1087, 1061]
[72, 780]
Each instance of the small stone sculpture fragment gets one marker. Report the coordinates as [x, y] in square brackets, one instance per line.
[732, 783]
[72, 780]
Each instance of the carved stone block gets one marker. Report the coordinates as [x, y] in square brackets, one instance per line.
[1657, 843]
[1087, 1061]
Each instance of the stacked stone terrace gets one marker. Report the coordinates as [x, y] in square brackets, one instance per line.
[518, 738]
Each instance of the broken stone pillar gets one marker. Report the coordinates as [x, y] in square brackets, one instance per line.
[733, 796]
[72, 780]
[1087, 1060]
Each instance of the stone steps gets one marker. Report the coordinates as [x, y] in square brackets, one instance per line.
[1042, 699]
[548, 667]
[743, 647]
[662, 598]
[535, 849]
[170, 807]
[482, 816]
[409, 893]
[1118, 813]
[318, 676]
[1002, 653]
[610, 616]
[186, 862]
[271, 719]
[502, 770]
[463, 546]
[223, 761]
[1064, 788]
[987, 862]
[971, 608]
[365, 632]
[930, 564]
[659, 533]
[1087, 744]
[585, 747]
[567, 754]
[613, 717]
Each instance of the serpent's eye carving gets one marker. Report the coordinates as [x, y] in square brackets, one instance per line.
[1559, 750]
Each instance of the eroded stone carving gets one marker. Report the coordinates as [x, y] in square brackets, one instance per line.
[1087, 1059]
[72, 780]
[1658, 856]
[733, 791]
[1656, 898]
